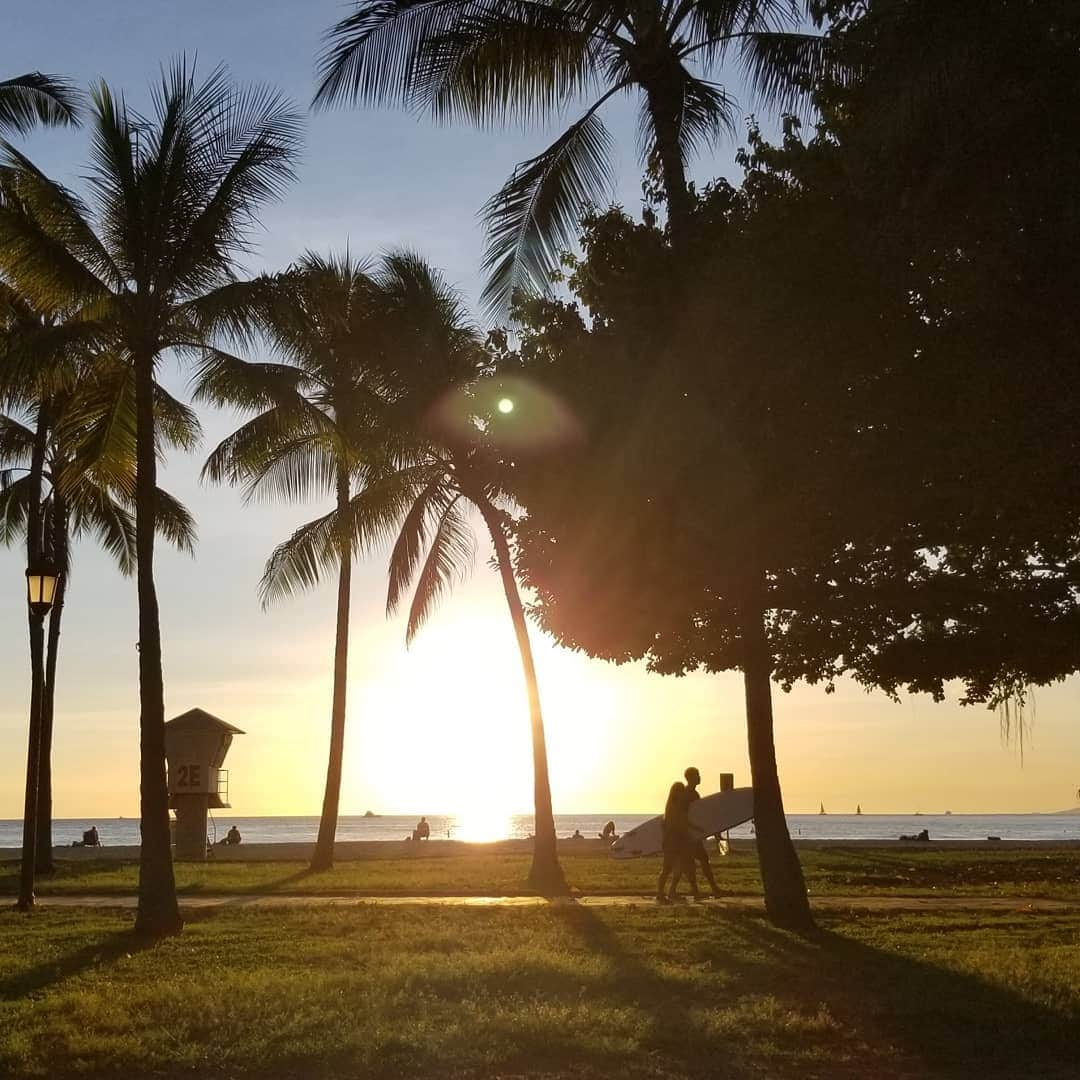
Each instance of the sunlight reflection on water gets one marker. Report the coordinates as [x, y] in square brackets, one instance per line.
[481, 825]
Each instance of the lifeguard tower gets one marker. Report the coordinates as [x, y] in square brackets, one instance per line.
[196, 743]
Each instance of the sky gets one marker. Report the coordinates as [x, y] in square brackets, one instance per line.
[442, 726]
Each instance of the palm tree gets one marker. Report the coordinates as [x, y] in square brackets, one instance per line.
[308, 441]
[37, 98]
[151, 261]
[89, 468]
[442, 464]
[488, 61]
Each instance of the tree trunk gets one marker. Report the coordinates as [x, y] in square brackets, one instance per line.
[158, 912]
[37, 670]
[665, 108]
[786, 901]
[60, 557]
[323, 859]
[545, 875]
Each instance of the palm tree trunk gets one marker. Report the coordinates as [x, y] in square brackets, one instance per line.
[323, 859]
[545, 875]
[665, 107]
[37, 671]
[785, 890]
[60, 557]
[158, 912]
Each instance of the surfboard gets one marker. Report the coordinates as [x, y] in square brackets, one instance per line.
[710, 815]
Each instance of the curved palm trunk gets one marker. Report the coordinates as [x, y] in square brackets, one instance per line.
[786, 901]
[323, 858]
[665, 107]
[44, 803]
[545, 875]
[37, 671]
[158, 912]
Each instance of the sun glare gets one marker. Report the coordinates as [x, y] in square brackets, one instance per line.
[481, 824]
[506, 406]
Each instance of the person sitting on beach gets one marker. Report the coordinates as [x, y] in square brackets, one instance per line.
[577, 835]
[233, 836]
[701, 856]
[422, 830]
[90, 838]
[678, 850]
[608, 835]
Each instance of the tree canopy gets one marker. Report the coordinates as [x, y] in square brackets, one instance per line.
[871, 405]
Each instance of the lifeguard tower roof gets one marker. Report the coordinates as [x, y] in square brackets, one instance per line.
[201, 718]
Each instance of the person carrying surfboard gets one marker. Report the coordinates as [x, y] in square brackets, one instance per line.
[678, 849]
[699, 854]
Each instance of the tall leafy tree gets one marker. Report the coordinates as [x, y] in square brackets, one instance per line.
[89, 472]
[307, 442]
[35, 98]
[704, 494]
[151, 259]
[492, 61]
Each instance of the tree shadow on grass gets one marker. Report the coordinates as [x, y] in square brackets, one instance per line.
[929, 1019]
[102, 952]
[837, 1007]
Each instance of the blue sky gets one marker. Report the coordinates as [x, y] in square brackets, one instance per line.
[427, 727]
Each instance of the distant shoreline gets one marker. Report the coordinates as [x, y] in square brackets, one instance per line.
[401, 849]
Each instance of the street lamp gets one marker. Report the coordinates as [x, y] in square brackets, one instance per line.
[41, 581]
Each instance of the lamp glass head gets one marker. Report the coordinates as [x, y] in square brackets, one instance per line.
[41, 587]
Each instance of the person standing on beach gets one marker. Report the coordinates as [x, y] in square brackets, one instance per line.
[678, 851]
[700, 855]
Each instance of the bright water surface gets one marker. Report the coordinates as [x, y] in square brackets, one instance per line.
[125, 831]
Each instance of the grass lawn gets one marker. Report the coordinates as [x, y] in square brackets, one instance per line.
[539, 992]
[831, 871]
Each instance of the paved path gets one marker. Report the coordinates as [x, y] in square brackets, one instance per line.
[821, 903]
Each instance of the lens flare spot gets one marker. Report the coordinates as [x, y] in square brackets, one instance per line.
[506, 406]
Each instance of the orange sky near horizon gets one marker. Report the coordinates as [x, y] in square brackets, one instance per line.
[443, 726]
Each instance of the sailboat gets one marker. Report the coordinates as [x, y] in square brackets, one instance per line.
[822, 810]
[858, 808]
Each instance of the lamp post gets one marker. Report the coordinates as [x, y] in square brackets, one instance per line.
[41, 580]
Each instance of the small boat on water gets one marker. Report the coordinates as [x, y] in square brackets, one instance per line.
[858, 808]
[822, 810]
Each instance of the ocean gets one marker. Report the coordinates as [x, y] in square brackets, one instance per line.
[119, 832]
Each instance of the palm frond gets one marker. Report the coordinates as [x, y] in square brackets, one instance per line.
[15, 495]
[255, 135]
[176, 424]
[783, 69]
[287, 451]
[224, 380]
[174, 522]
[16, 441]
[95, 511]
[516, 61]
[429, 507]
[377, 510]
[48, 249]
[298, 471]
[36, 98]
[532, 220]
[372, 55]
[298, 563]
[449, 560]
